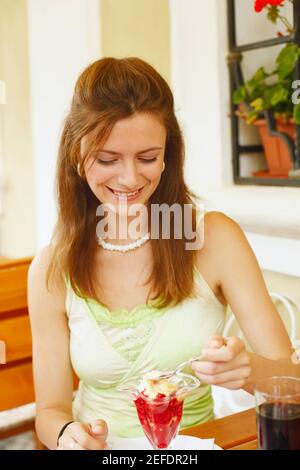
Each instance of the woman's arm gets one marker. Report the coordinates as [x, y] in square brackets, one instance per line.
[243, 286]
[50, 343]
[52, 369]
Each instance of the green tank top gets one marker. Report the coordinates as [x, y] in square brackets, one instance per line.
[108, 348]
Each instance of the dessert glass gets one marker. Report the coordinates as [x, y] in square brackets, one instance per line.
[160, 415]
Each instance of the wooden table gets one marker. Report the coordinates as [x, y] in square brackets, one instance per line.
[234, 432]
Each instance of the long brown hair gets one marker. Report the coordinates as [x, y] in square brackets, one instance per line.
[108, 90]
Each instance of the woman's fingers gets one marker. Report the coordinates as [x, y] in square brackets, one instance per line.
[216, 341]
[76, 446]
[240, 374]
[211, 368]
[87, 440]
[227, 364]
[99, 428]
[84, 436]
[225, 353]
[68, 443]
[79, 433]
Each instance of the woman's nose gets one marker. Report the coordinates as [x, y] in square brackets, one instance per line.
[129, 175]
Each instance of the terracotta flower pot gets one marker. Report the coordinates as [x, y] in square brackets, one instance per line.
[275, 150]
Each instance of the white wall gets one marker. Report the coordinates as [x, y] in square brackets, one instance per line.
[17, 211]
[276, 253]
[199, 78]
[2, 102]
[64, 37]
[200, 84]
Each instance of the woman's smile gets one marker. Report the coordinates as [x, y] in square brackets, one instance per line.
[128, 196]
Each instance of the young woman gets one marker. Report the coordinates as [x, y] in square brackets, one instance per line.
[114, 308]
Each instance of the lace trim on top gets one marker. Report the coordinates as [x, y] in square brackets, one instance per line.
[124, 318]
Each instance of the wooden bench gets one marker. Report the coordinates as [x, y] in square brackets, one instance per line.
[16, 377]
[17, 408]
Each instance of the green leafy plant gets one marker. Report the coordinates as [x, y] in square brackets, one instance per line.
[271, 91]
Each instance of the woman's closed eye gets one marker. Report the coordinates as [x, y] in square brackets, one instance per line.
[110, 162]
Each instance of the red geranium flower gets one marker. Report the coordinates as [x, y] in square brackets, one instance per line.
[261, 4]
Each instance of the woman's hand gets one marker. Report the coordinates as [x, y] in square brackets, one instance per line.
[84, 436]
[226, 364]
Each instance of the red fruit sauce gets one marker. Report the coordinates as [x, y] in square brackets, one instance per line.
[159, 418]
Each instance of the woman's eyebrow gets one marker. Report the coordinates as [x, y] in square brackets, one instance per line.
[138, 153]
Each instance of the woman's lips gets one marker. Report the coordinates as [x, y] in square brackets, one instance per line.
[122, 196]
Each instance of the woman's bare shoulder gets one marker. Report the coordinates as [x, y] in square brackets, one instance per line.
[225, 244]
[215, 221]
[41, 260]
[218, 228]
[39, 266]
[220, 236]
[38, 287]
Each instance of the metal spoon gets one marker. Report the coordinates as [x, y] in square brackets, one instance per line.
[168, 374]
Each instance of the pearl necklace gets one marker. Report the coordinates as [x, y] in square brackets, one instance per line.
[124, 248]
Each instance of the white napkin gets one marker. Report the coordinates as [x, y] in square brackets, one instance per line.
[180, 443]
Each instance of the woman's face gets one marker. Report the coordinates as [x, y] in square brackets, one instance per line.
[128, 166]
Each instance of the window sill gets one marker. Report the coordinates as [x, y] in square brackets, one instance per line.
[262, 210]
[270, 218]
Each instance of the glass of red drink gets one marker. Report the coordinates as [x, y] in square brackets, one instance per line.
[278, 413]
[160, 415]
